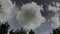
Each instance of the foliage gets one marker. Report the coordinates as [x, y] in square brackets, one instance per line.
[4, 28]
[56, 31]
[22, 31]
[31, 32]
[11, 32]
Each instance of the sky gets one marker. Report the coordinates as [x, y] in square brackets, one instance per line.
[42, 15]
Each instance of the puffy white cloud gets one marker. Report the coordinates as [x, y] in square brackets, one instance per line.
[55, 19]
[30, 15]
[5, 10]
[58, 4]
[53, 8]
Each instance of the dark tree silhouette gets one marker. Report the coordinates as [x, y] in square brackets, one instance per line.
[11, 32]
[4, 28]
[22, 31]
[56, 31]
[31, 32]
[0, 6]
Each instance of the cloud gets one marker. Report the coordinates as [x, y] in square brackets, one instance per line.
[30, 15]
[6, 9]
[53, 8]
[55, 18]
[55, 21]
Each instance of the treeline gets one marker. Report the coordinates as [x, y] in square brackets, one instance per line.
[56, 31]
[5, 27]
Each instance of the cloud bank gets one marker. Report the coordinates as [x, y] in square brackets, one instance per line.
[5, 10]
[30, 15]
[55, 18]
